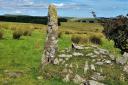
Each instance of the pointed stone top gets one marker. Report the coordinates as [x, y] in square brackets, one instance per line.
[52, 13]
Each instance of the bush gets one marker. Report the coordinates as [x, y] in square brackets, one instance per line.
[17, 34]
[68, 32]
[79, 39]
[117, 30]
[27, 33]
[95, 40]
[1, 35]
[59, 34]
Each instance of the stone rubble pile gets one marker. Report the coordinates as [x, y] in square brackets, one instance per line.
[98, 56]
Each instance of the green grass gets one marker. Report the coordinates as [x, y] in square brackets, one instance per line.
[24, 55]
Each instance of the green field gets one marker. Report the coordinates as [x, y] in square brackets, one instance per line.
[24, 55]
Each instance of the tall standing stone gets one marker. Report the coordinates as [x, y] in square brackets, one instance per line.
[52, 36]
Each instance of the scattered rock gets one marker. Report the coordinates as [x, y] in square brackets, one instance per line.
[103, 51]
[87, 48]
[99, 63]
[97, 76]
[108, 62]
[56, 61]
[65, 56]
[78, 79]
[92, 82]
[71, 65]
[67, 79]
[112, 57]
[92, 67]
[90, 54]
[123, 60]
[125, 69]
[66, 59]
[96, 52]
[93, 56]
[86, 67]
[74, 46]
[78, 54]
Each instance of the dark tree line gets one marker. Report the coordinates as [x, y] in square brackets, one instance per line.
[28, 19]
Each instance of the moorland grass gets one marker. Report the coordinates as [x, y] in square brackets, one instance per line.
[24, 55]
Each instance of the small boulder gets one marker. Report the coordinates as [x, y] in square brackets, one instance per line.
[65, 56]
[125, 69]
[78, 54]
[67, 78]
[78, 79]
[86, 67]
[56, 61]
[99, 63]
[97, 76]
[92, 82]
[92, 67]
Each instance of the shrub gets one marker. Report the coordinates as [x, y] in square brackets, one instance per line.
[17, 34]
[59, 34]
[27, 33]
[1, 35]
[79, 39]
[75, 39]
[95, 40]
[68, 32]
[117, 30]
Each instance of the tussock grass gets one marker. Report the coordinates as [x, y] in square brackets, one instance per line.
[24, 54]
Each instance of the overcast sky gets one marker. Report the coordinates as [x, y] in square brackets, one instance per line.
[71, 8]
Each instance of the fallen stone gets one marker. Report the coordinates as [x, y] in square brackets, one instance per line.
[87, 48]
[96, 52]
[56, 61]
[86, 67]
[92, 67]
[97, 76]
[78, 79]
[112, 57]
[90, 54]
[125, 69]
[65, 56]
[99, 63]
[103, 51]
[71, 65]
[108, 62]
[77, 47]
[92, 82]
[67, 78]
[78, 54]
[123, 60]
[93, 56]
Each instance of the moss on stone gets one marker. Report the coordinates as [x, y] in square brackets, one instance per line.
[53, 13]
